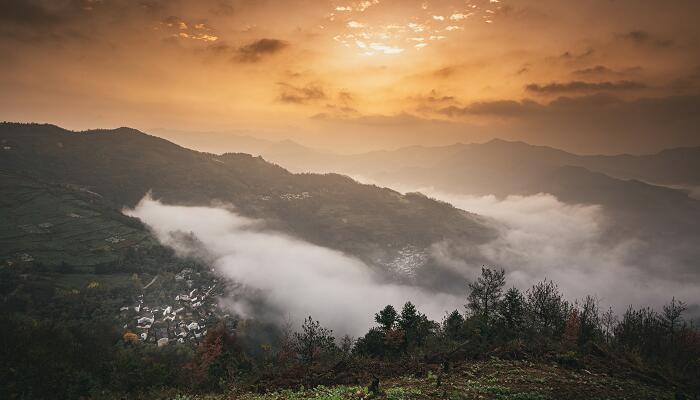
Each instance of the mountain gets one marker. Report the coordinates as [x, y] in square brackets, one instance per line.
[660, 218]
[331, 210]
[679, 167]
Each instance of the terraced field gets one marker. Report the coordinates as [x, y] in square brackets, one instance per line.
[57, 224]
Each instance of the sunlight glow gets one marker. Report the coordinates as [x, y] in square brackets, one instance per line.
[392, 27]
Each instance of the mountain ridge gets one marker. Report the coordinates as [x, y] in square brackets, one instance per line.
[331, 210]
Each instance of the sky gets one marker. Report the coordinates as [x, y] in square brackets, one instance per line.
[598, 76]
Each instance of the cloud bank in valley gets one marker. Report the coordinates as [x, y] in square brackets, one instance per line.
[541, 236]
[295, 277]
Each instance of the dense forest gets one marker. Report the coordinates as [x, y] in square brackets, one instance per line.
[53, 357]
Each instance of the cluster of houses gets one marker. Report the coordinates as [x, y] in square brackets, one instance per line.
[295, 196]
[288, 196]
[406, 262]
[183, 317]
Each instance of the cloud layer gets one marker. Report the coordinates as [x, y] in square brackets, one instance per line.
[543, 237]
[293, 277]
[540, 237]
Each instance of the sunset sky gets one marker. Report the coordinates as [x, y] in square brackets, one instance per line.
[598, 76]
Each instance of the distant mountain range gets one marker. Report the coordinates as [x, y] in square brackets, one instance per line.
[678, 167]
[651, 198]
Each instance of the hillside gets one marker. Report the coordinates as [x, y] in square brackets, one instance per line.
[53, 224]
[67, 255]
[331, 210]
[493, 379]
[659, 220]
[65, 251]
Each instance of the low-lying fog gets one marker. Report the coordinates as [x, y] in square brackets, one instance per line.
[295, 277]
[540, 237]
[543, 237]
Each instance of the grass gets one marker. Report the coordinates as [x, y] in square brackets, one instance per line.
[494, 379]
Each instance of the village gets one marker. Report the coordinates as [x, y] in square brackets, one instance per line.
[174, 309]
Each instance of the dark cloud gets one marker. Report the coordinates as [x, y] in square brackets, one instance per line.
[433, 97]
[300, 94]
[645, 38]
[597, 121]
[250, 53]
[502, 108]
[583, 87]
[28, 12]
[597, 70]
[445, 72]
[525, 69]
[603, 71]
[570, 57]
[255, 51]
[34, 21]
[657, 107]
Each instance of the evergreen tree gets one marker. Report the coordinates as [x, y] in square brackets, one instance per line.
[313, 340]
[452, 325]
[511, 312]
[672, 316]
[386, 317]
[416, 326]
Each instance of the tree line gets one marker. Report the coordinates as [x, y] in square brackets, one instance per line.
[54, 358]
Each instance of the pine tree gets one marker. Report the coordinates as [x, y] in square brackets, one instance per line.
[313, 340]
[452, 324]
[386, 317]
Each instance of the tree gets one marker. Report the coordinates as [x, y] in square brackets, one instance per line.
[372, 344]
[386, 317]
[511, 312]
[346, 345]
[641, 331]
[549, 310]
[590, 324]
[313, 341]
[409, 318]
[416, 326]
[485, 294]
[452, 324]
[218, 358]
[572, 328]
[672, 316]
[609, 321]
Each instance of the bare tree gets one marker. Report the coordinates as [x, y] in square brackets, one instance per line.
[609, 320]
